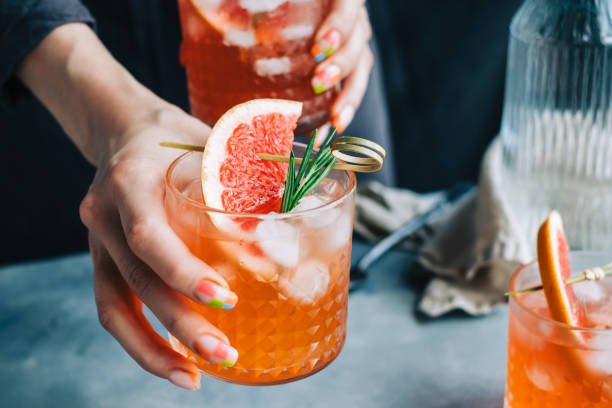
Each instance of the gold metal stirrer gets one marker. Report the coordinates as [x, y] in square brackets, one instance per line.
[370, 156]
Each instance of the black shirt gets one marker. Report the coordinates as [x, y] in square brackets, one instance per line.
[23, 25]
[43, 175]
[444, 66]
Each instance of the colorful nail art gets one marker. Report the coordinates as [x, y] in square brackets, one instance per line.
[342, 120]
[325, 78]
[185, 379]
[216, 351]
[326, 45]
[214, 295]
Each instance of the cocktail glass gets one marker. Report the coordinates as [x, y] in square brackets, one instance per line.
[290, 272]
[551, 364]
[238, 50]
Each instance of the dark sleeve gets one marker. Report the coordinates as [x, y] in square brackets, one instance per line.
[23, 25]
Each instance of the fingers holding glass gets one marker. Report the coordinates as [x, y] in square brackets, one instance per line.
[344, 61]
[353, 60]
[353, 90]
[326, 45]
[151, 238]
[120, 313]
[337, 27]
[172, 309]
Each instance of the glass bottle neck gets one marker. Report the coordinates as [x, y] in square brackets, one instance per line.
[565, 21]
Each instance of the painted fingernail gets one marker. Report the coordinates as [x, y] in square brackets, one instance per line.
[345, 117]
[326, 45]
[322, 134]
[216, 351]
[185, 379]
[211, 294]
[325, 78]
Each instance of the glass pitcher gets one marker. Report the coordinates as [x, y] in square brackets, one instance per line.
[556, 131]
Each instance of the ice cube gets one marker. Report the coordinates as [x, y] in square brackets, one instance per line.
[317, 219]
[240, 38]
[545, 329]
[329, 190]
[601, 318]
[272, 66]
[606, 389]
[226, 270]
[535, 301]
[279, 241]
[258, 6]
[341, 233]
[298, 31]
[260, 267]
[589, 292]
[597, 306]
[306, 283]
[599, 361]
[540, 377]
[308, 203]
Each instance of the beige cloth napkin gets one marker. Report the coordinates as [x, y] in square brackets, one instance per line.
[470, 249]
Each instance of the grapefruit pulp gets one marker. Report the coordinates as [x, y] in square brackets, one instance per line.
[234, 179]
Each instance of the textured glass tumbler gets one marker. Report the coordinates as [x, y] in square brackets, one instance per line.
[290, 272]
[557, 121]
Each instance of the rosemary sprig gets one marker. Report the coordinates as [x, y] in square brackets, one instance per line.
[311, 173]
[607, 270]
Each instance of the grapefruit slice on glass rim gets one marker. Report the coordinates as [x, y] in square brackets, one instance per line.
[563, 305]
[555, 269]
[235, 180]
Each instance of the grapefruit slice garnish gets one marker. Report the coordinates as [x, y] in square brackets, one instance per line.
[563, 305]
[555, 269]
[235, 180]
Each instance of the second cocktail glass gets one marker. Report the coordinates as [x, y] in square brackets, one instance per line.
[238, 50]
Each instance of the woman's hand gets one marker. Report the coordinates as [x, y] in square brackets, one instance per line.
[341, 47]
[137, 257]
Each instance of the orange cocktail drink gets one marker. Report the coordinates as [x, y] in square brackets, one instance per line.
[238, 50]
[552, 364]
[290, 272]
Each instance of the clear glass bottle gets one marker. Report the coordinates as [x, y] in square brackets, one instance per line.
[556, 129]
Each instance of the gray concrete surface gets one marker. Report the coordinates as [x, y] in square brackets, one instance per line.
[53, 353]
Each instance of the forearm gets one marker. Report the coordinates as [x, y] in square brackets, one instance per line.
[91, 95]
